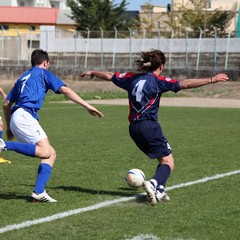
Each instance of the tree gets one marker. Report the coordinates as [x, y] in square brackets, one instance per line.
[146, 20]
[199, 17]
[96, 14]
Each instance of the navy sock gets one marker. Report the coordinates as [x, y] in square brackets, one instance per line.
[162, 174]
[1, 132]
[27, 149]
[44, 173]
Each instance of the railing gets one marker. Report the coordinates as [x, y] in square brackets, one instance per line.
[115, 49]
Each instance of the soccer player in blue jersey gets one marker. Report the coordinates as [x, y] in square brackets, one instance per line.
[21, 114]
[144, 93]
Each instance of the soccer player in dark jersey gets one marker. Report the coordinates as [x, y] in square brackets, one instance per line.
[144, 93]
[21, 113]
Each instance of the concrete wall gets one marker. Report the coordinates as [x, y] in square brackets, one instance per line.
[68, 55]
[49, 42]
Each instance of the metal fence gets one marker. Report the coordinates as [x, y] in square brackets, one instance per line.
[119, 50]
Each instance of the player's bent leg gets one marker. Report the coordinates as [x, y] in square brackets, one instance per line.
[51, 160]
[44, 150]
[27, 149]
[163, 171]
[43, 176]
[44, 171]
[169, 160]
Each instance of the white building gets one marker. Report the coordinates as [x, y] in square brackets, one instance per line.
[220, 4]
[212, 5]
[61, 4]
[156, 15]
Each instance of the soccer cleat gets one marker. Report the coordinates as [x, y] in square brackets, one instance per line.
[2, 145]
[150, 190]
[161, 196]
[3, 160]
[42, 197]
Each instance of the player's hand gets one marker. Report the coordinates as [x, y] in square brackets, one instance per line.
[221, 77]
[87, 73]
[94, 112]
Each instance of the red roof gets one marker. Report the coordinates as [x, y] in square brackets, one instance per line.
[29, 15]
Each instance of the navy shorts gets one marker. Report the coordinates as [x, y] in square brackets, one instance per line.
[149, 138]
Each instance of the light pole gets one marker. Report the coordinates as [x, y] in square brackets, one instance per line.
[151, 19]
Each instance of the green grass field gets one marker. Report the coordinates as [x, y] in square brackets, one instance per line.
[93, 157]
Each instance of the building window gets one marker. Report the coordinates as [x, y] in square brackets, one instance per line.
[33, 44]
[4, 27]
[40, 2]
[32, 28]
[21, 4]
[55, 4]
[208, 3]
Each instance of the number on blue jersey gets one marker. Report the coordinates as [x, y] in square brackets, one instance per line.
[24, 81]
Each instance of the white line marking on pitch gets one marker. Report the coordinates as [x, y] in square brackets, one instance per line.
[105, 204]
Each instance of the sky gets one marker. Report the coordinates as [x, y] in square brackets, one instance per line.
[135, 4]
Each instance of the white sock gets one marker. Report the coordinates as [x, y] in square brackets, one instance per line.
[154, 182]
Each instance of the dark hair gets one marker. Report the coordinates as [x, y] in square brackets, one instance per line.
[38, 56]
[150, 60]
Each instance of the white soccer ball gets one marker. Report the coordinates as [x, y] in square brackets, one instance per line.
[135, 177]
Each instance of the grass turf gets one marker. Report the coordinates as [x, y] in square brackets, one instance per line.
[93, 156]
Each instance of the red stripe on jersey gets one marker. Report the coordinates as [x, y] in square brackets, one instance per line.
[125, 75]
[130, 111]
[168, 79]
[146, 107]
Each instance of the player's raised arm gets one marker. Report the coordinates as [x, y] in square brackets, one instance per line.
[99, 74]
[193, 83]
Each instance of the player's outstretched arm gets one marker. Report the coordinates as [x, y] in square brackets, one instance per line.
[70, 94]
[193, 83]
[99, 74]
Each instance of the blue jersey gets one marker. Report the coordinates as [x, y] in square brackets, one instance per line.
[30, 90]
[144, 92]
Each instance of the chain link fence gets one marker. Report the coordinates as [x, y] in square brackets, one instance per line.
[119, 50]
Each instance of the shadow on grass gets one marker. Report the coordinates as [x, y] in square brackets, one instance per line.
[8, 196]
[121, 193]
[131, 192]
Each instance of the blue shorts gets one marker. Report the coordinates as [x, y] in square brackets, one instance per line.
[149, 138]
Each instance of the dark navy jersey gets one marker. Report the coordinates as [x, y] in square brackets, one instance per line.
[144, 92]
[30, 89]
